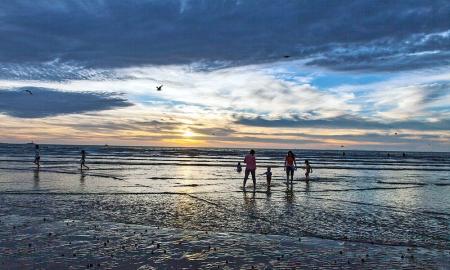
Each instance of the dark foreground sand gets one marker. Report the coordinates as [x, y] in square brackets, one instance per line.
[46, 243]
[35, 243]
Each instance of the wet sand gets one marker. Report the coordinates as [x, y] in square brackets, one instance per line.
[184, 231]
[47, 243]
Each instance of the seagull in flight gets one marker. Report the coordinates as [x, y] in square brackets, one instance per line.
[158, 88]
[29, 92]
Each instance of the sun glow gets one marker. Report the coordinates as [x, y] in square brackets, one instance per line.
[188, 134]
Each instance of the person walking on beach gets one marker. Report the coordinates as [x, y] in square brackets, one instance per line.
[37, 156]
[250, 167]
[308, 170]
[83, 160]
[290, 166]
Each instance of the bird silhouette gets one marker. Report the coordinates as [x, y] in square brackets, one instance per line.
[29, 92]
[159, 88]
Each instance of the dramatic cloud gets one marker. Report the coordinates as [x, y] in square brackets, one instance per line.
[344, 122]
[364, 34]
[43, 102]
[52, 71]
[266, 73]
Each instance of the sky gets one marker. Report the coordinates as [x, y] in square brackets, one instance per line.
[372, 75]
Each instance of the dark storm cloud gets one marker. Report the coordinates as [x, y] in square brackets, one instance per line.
[361, 34]
[44, 102]
[52, 71]
[343, 122]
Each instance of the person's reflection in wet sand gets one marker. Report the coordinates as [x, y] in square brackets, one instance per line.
[289, 194]
[307, 187]
[82, 179]
[250, 202]
[36, 178]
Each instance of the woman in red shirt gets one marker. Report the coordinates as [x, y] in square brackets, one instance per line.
[289, 166]
[250, 167]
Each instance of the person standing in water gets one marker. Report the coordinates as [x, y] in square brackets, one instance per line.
[308, 170]
[83, 160]
[289, 166]
[268, 174]
[250, 167]
[239, 167]
[37, 156]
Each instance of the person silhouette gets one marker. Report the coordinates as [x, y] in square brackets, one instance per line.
[37, 156]
[250, 167]
[268, 174]
[239, 167]
[83, 160]
[290, 166]
[308, 170]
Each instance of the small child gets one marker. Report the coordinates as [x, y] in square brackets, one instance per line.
[268, 174]
[308, 169]
[37, 156]
[83, 160]
[239, 167]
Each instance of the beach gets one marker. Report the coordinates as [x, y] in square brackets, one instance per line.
[184, 208]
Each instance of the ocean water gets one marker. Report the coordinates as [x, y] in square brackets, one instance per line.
[364, 197]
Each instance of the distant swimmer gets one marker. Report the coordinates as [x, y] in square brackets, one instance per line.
[250, 167]
[83, 160]
[159, 88]
[28, 91]
[268, 174]
[37, 156]
[239, 167]
[290, 165]
[308, 170]
[404, 155]
[343, 153]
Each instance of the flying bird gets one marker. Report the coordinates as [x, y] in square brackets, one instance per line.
[395, 133]
[28, 91]
[159, 88]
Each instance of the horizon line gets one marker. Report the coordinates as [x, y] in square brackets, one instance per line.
[237, 148]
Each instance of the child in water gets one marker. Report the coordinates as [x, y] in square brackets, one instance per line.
[239, 167]
[308, 169]
[268, 174]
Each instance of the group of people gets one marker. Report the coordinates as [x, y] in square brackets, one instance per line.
[37, 158]
[290, 165]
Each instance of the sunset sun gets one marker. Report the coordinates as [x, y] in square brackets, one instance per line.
[188, 134]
